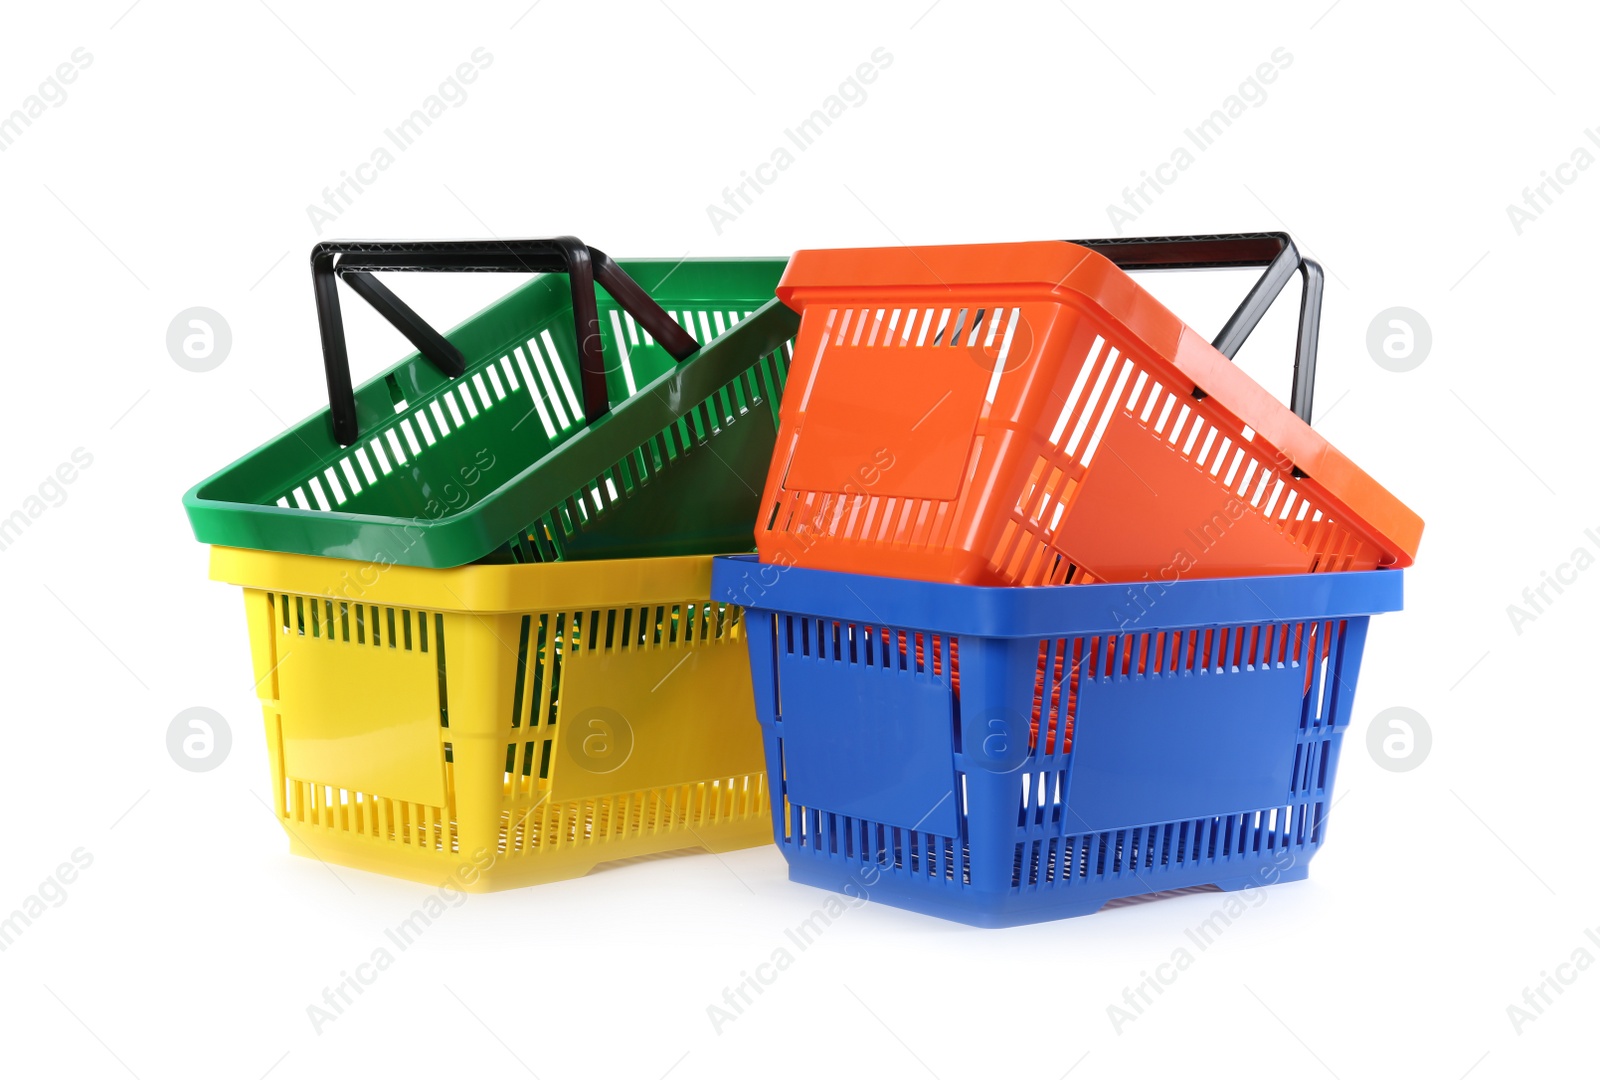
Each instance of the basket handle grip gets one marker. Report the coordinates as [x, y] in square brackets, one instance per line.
[355, 261]
[1273, 250]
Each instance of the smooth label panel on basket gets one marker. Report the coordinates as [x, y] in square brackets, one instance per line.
[871, 743]
[1168, 525]
[363, 716]
[621, 718]
[859, 414]
[1179, 745]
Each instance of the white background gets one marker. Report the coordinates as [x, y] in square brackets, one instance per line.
[177, 173]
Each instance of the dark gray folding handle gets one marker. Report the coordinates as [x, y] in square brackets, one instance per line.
[1273, 250]
[356, 261]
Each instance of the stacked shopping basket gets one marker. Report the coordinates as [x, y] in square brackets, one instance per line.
[1051, 604]
[479, 594]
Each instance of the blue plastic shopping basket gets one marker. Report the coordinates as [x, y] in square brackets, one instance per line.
[1000, 756]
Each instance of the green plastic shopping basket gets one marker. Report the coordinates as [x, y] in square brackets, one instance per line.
[498, 441]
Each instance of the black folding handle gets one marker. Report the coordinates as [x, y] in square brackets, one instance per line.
[1273, 250]
[357, 260]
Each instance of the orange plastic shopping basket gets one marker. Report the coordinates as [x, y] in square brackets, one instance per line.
[1026, 414]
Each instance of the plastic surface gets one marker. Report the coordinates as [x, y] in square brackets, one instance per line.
[500, 464]
[1000, 756]
[1026, 414]
[499, 726]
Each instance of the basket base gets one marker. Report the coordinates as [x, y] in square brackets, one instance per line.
[448, 868]
[996, 910]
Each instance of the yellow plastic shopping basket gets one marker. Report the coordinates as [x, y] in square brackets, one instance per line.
[499, 726]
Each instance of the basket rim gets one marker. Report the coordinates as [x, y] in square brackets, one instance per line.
[485, 589]
[1039, 611]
